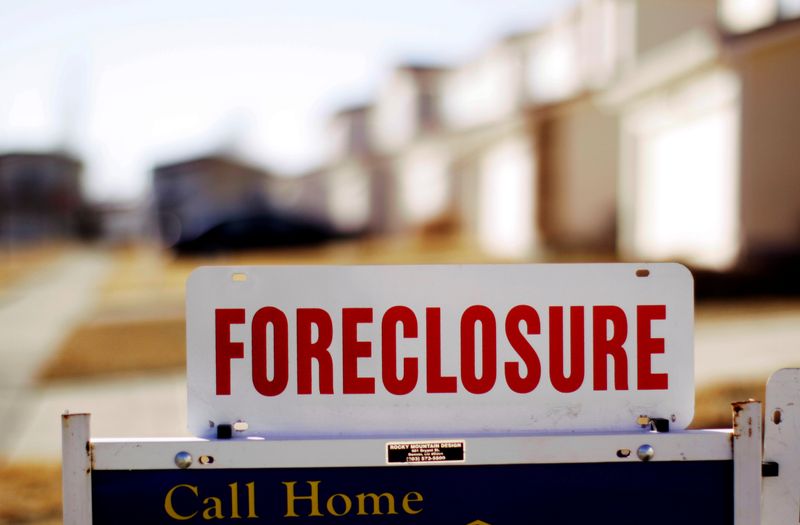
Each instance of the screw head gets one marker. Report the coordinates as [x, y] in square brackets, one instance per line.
[646, 452]
[183, 459]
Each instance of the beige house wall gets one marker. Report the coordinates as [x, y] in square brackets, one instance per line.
[494, 187]
[349, 199]
[579, 163]
[770, 149]
[657, 22]
[680, 174]
[424, 183]
[506, 198]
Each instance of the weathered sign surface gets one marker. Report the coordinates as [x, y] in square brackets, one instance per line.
[438, 350]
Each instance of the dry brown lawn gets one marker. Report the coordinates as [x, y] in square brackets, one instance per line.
[16, 264]
[139, 326]
[712, 407]
[132, 346]
[30, 494]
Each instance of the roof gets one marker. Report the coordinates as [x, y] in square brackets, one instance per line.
[39, 155]
[423, 67]
[352, 109]
[780, 31]
[209, 159]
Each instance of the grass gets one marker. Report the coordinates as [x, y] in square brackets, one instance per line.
[712, 406]
[30, 494]
[126, 346]
[139, 326]
[17, 263]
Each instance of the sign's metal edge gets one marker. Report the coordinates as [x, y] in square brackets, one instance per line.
[114, 454]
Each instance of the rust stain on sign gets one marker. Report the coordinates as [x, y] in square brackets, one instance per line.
[738, 407]
[67, 419]
[90, 453]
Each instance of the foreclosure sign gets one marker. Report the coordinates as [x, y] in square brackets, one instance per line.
[438, 350]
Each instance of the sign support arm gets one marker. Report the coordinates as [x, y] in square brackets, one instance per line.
[76, 473]
[747, 463]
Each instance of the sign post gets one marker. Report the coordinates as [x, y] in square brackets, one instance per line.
[781, 489]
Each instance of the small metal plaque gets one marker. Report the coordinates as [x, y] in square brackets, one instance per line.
[418, 452]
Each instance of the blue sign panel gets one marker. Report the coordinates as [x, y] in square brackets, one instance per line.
[620, 493]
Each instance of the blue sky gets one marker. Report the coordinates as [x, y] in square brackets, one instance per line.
[128, 84]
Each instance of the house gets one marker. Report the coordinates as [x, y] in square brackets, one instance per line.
[217, 202]
[387, 173]
[535, 155]
[40, 197]
[413, 179]
[641, 129]
[709, 119]
[352, 179]
[513, 148]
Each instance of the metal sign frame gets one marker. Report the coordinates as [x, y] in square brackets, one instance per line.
[85, 457]
[781, 490]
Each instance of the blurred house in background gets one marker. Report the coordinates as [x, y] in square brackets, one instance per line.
[124, 223]
[638, 129]
[512, 149]
[649, 129]
[351, 180]
[493, 149]
[709, 171]
[406, 130]
[387, 174]
[41, 198]
[194, 195]
[217, 202]
[550, 183]
[538, 157]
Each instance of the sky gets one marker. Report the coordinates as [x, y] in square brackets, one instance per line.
[125, 85]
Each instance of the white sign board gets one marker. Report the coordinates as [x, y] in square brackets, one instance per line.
[439, 350]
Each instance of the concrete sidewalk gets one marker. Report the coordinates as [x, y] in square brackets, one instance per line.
[35, 316]
[152, 405]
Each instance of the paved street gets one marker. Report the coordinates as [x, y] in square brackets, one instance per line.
[35, 315]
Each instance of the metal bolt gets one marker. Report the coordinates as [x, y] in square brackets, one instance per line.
[646, 452]
[183, 459]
